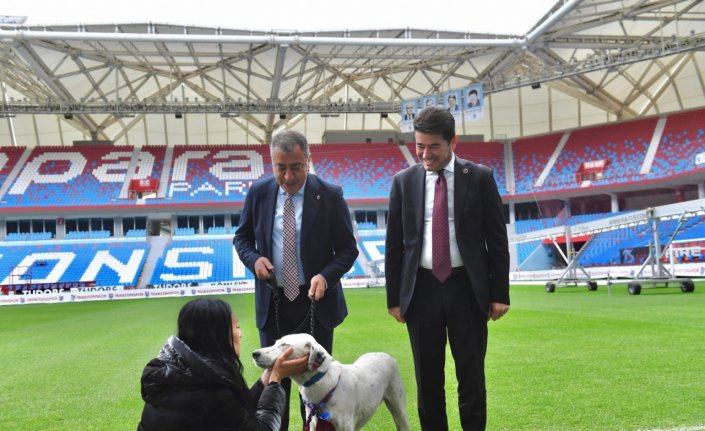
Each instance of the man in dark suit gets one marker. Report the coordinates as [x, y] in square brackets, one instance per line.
[446, 268]
[409, 113]
[452, 103]
[296, 227]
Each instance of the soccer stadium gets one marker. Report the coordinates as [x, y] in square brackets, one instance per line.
[127, 151]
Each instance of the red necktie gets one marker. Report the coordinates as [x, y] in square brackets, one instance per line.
[439, 231]
[290, 255]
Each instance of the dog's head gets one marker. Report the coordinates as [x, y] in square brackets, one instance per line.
[303, 344]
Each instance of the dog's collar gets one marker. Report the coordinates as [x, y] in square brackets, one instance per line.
[316, 377]
[316, 409]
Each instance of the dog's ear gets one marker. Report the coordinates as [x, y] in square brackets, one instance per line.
[316, 355]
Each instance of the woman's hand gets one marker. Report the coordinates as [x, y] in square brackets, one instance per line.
[284, 367]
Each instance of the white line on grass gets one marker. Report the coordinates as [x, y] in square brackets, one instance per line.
[693, 428]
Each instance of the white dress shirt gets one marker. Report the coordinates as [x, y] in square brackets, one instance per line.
[277, 238]
[426, 250]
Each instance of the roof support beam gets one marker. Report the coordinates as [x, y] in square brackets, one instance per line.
[276, 83]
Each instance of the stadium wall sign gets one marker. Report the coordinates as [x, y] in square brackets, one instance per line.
[58, 297]
[112, 293]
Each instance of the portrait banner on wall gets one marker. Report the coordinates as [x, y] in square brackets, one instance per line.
[409, 108]
[474, 105]
[429, 101]
[451, 101]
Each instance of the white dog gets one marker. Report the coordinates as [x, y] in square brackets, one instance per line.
[347, 396]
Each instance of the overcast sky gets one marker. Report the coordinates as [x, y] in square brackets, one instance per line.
[486, 16]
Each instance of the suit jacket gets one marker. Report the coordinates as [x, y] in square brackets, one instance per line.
[328, 245]
[480, 230]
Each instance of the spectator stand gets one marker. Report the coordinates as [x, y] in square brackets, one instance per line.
[623, 245]
[537, 254]
[102, 263]
[682, 146]
[609, 154]
[11, 160]
[530, 156]
[373, 245]
[355, 271]
[216, 174]
[76, 176]
[490, 154]
[199, 260]
[143, 179]
[364, 170]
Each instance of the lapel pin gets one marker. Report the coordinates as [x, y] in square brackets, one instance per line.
[465, 170]
[318, 197]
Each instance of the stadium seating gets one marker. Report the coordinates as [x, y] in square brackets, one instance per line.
[694, 230]
[524, 226]
[221, 230]
[8, 160]
[623, 146]
[92, 176]
[216, 174]
[682, 140]
[72, 176]
[373, 246]
[136, 233]
[364, 171]
[366, 225]
[530, 156]
[355, 271]
[525, 249]
[199, 259]
[95, 234]
[153, 155]
[490, 154]
[105, 262]
[607, 247]
[184, 231]
[28, 236]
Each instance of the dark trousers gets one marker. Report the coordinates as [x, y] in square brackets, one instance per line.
[292, 314]
[440, 312]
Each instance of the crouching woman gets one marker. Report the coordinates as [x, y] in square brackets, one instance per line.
[196, 381]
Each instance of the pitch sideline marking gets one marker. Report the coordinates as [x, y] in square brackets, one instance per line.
[690, 428]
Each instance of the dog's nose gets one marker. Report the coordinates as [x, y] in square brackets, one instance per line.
[255, 354]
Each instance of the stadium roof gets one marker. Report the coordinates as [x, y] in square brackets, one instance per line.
[585, 62]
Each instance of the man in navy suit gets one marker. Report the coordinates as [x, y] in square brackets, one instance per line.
[325, 247]
[446, 268]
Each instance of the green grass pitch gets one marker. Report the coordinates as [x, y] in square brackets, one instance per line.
[570, 360]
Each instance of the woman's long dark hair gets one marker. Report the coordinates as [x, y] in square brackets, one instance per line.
[205, 325]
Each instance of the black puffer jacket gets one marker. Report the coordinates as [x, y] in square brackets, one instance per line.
[184, 391]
